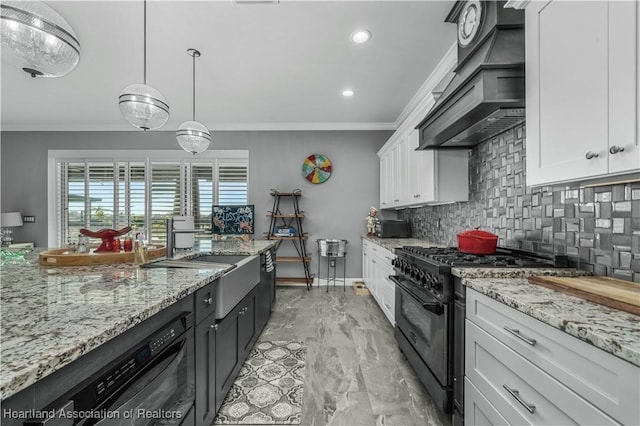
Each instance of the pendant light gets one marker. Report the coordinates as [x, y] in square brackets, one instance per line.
[37, 39]
[143, 106]
[193, 136]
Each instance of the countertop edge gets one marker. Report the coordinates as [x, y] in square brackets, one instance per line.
[573, 327]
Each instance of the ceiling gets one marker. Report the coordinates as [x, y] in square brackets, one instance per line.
[263, 65]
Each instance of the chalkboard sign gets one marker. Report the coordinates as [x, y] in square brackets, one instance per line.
[233, 219]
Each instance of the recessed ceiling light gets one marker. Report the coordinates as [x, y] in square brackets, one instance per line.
[347, 93]
[360, 36]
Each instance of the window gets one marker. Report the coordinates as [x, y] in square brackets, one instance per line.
[95, 192]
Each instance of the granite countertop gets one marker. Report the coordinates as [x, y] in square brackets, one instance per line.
[53, 315]
[611, 330]
[393, 243]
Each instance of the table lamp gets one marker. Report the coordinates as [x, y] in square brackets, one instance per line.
[8, 221]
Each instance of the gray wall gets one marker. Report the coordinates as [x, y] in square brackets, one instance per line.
[334, 209]
[597, 227]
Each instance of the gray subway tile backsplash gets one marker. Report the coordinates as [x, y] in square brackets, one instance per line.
[597, 227]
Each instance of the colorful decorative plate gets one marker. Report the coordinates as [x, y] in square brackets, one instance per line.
[316, 168]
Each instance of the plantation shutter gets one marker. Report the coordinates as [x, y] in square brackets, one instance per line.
[110, 193]
[232, 183]
[166, 197]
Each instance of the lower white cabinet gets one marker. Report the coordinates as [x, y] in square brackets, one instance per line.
[531, 373]
[376, 269]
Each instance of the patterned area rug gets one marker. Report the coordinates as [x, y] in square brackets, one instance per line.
[269, 387]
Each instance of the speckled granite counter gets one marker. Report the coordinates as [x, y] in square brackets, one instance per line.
[611, 330]
[229, 247]
[53, 315]
[485, 272]
[393, 243]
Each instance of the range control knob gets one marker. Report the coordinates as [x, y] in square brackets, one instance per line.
[422, 278]
[414, 273]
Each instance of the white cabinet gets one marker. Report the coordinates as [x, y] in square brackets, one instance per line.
[582, 90]
[410, 178]
[376, 269]
[527, 372]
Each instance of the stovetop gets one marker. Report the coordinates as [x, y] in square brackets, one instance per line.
[504, 257]
[428, 269]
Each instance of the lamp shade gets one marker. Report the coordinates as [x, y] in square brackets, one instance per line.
[37, 39]
[144, 107]
[10, 219]
[193, 137]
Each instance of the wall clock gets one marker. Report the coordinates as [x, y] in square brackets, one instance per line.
[316, 168]
[469, 22]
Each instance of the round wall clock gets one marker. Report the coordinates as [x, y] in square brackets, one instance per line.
[316, 168]
[469, 22]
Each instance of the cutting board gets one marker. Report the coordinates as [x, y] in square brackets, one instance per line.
[611, 292]
[61, 257]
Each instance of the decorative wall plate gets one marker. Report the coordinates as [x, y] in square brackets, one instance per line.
[316, 168]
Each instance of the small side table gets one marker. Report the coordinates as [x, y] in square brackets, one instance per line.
[332, 262]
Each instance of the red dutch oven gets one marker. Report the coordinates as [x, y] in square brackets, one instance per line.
[476, 241]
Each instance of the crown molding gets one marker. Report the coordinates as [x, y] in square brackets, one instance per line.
[213, 127]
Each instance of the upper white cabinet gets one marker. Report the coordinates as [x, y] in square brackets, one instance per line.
[409, 177]
[582, 73]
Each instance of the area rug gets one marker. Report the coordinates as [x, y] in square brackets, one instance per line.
[269, 387]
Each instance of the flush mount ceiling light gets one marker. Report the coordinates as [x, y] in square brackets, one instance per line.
[361, 36]
[37, 39]
[143, 106]
[192, 136]
[347, 93]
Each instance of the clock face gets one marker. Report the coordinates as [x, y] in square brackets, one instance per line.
[316, 168]
[469, 22]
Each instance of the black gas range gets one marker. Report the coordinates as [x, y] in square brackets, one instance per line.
[430, 312]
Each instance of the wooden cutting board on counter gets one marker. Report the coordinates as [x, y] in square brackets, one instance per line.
[611, 292]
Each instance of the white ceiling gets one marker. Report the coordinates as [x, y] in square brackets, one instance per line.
[263, 66]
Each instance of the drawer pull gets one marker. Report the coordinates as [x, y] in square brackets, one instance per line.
[208, 301]
[514, 393]
[516, 333]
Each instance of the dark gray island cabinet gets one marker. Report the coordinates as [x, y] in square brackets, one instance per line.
[177, 362]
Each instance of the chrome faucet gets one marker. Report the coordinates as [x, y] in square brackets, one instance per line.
[171, 235]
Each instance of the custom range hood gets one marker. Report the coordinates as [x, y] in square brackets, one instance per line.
[487, 94]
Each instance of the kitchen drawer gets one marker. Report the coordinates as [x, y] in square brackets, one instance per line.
[536, 397]
[608, 382]
[205, 303]
[477, 410]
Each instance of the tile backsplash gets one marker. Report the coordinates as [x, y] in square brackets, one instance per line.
[597, 227]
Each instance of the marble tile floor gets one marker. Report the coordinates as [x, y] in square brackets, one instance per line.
[355, 373]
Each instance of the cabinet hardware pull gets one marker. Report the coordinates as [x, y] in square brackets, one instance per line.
[208, 300]
[514, 393]
[214, 326]
[516, 333]
[616, 149]
[373, 261]
[590, 154]
[395, 201]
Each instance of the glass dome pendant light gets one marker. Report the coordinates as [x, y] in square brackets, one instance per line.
[142, 105]
[37, 39]
[193, 136]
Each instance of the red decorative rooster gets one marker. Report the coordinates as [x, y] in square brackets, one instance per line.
[107, 236]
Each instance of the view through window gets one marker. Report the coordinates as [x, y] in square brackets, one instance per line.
[99, 194]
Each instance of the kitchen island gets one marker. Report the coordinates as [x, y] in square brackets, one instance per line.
[52, 316]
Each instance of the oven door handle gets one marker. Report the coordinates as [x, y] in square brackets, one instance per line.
[435, 307]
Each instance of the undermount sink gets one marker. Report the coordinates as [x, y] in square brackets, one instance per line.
[242, 273]
[188, 263]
